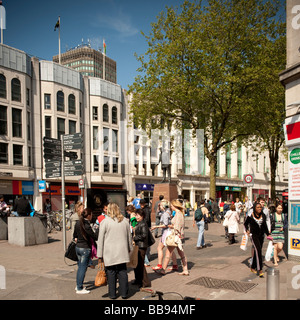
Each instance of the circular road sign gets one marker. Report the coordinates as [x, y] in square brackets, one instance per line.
[248, 179]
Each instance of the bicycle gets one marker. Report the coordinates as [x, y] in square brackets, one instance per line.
[52, 222]
[165, 295]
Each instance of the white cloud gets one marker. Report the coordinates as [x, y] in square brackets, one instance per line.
[117, 21]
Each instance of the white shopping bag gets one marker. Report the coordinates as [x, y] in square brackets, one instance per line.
[270, 251]
[244, 242]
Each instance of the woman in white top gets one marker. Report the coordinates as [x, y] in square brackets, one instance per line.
[233, 223]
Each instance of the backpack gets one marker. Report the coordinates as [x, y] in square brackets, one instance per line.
[198, 214]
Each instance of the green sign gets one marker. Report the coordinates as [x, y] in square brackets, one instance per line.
[295, 156]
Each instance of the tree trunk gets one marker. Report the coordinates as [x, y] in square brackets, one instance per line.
[212, 187]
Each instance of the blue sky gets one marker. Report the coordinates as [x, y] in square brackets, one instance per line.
[30, 27]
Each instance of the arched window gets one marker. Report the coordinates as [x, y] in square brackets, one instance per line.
[114, 115]
[2, 86]
[15, 90]
[105, 113]
[60, 97]
[72, 107]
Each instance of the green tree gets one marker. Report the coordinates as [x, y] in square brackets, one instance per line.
[202, 67]
[270, 113]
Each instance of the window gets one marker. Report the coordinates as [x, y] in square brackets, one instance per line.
[239, 163]
[29, 157]
[96, 164]
[28, 127]
[4, 153]
[60, 101]
[2, 86]
[28, 97]
[105, 113]
[106, 164]
[48, 127]
[115, 141]
[72, 127]
[228, 161]
[60, 127]
[114, 115]
[3, 120]
[95, 138]
[72, 106]
[47, 101]
[95, 113]
[15, 90]
[115, 165]
[105, 139]
[17, 123]
[18, 154]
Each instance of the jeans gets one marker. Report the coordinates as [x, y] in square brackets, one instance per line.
[200, 241]
[83, 255]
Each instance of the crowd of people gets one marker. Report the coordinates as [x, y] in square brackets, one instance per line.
[133, 228]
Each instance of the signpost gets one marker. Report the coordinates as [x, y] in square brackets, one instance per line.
[55, 152]
[249, 182]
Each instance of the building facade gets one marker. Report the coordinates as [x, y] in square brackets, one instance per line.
[89, 62]
[44, 99]
[290, 78]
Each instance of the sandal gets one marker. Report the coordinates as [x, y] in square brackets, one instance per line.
[160, 271]
[261, 274]
[253, 270]
[184, 273]
[158, 267]
[173, 268]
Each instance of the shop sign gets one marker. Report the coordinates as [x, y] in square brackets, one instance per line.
[42, 186]
[295, 156]
[295, 244]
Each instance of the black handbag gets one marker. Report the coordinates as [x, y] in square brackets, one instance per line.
[71, 252]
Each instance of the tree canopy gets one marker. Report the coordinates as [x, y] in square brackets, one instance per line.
[204, 67]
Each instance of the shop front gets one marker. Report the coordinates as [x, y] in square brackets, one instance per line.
[14, 189]
[53, 193]
[228, 193]
[146, 190]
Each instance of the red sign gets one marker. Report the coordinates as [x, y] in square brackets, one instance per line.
[293, 131]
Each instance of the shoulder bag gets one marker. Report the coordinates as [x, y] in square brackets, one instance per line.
[100, 279]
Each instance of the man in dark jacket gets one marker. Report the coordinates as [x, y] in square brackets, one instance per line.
[22, 207]
[215, 211]
[147, 211]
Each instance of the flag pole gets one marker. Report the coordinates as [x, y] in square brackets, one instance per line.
[104, 54]
[59, 51]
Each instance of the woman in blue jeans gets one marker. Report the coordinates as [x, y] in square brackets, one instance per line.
[200, 225]
[83, 233]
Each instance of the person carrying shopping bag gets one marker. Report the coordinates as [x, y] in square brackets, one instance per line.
[256, 227]
[114, 246]
[177, 227]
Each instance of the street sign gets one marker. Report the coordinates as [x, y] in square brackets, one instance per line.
[52, 164]
[72, 136]
[73, 146]
[81, 184]
[52, 141]
[73, 173]
[249, 180]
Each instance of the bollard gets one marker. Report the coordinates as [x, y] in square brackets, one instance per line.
[272, 284]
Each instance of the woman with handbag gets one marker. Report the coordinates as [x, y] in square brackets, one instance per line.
[114, 246]
[165, 221]
[141, 239]
[177, 228]
[83, 233]
[256, 227]
[279, 223]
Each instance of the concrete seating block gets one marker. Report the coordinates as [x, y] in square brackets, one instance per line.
[26, 231]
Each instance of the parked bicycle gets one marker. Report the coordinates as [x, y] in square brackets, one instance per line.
[52, 222]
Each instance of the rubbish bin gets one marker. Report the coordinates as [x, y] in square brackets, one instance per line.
[273, 284]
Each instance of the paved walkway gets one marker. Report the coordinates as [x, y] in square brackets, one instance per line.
[218, 272]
